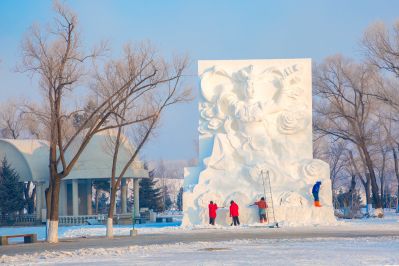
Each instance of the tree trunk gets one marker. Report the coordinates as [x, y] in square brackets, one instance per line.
[47, 194]
[382, 177]
[368, 196]
[374, 187]
[97, 198]
[397, 200]
[52, 236]
[366, 185]
[382, 190]
[351, 193]
[113, 185]
[110, 229]
[353, 183]
[395, 159]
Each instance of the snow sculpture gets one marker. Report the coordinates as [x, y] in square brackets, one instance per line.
[255, 115]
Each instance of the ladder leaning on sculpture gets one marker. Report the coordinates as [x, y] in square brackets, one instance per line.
[269, 198]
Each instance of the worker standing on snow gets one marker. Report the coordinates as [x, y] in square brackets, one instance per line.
[212, 212]
[262, 206]
[234, 213]
[315, 192]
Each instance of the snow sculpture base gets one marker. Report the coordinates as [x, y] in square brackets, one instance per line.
[256, 115]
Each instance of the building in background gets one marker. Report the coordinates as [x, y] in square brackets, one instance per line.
[30, 159]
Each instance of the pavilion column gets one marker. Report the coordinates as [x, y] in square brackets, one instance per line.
[89, 198]
[63, 204]
[136, 192]
[39, 199]
[75, 198]
[124, 196]
[44, 206]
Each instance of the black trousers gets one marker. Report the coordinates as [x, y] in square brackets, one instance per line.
[211, 221]
[236, 221]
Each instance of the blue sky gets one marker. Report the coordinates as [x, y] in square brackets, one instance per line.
[204, 29]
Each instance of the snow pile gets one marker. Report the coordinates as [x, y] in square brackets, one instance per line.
[255, 122]
[317, 251]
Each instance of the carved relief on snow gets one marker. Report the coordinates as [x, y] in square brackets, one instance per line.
[241, 108]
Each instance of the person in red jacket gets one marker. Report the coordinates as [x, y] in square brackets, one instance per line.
[212, 212]
[234, 213]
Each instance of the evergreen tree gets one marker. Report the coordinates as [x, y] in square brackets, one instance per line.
[103, 203]
[11, 190]
[100, 186]
[179, 200]
[166, 200]
[350, 202]
[150, 196]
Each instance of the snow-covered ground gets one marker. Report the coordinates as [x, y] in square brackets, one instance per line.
[319, 251]
[391, 219]
[89, 230]
[308, 251]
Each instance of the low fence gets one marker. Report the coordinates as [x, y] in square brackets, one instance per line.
[31, 219]
[24, 219]
[125, 218]
[81, 219]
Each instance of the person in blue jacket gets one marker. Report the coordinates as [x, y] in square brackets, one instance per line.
[315, 192]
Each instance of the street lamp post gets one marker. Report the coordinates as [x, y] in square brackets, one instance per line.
[133, 232]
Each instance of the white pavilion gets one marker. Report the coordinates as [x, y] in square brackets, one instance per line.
[29, 157]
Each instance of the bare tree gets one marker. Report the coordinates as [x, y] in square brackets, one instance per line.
[58, 59]
[337, 160]
[381, 155]
[11, 124]
[355, 165]
[347, 108]
[332, 151]
[392, 144]
[55, 55]
[381, 47]
[395, 151]
[139, 111]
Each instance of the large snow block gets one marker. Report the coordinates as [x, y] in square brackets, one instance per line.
[256, 115]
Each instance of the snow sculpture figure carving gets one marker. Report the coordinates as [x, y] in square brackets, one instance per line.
[255, 115]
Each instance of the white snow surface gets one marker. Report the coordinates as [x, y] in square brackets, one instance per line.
[89, 230]
[390, 219]
[320, 251]
[311, 251]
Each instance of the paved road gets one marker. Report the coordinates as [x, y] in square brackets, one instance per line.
[214, 235]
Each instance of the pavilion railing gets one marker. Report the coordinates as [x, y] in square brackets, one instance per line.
[81, 219]
[20, 219]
